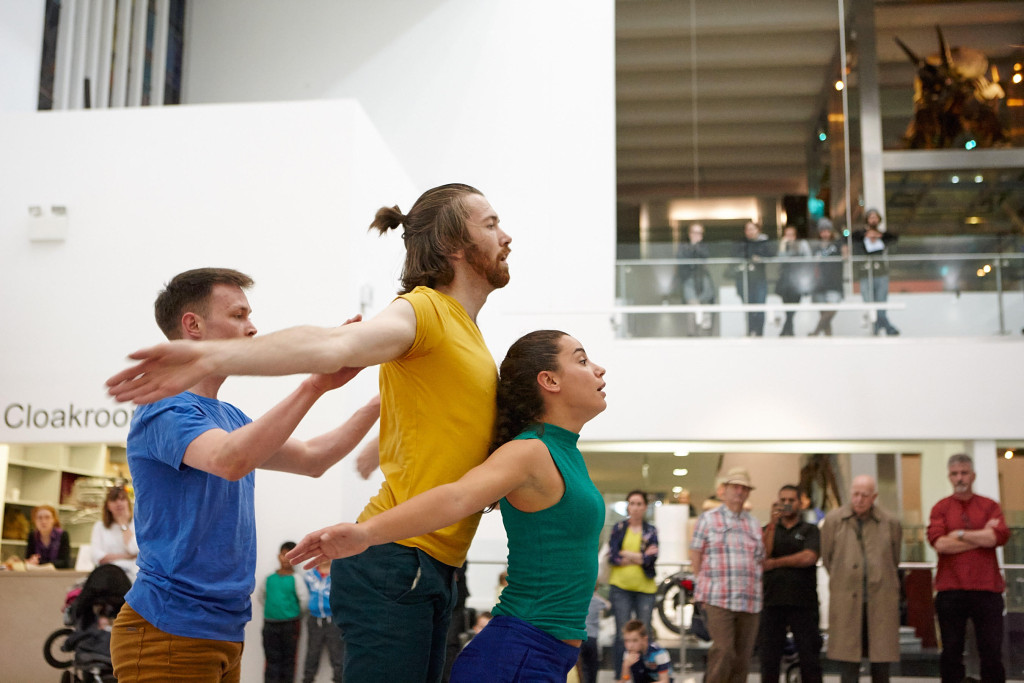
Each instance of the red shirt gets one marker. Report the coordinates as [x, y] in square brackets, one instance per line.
[972, 570]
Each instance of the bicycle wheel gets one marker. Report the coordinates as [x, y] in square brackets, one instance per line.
[57, 638]
[670, 599]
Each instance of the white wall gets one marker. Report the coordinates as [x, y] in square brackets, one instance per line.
[21, 47]
[514, 97]
[281, 191]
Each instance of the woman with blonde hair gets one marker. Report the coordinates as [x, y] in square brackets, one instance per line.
[113, 537]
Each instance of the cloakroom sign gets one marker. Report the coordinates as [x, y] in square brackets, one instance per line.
[25, 416]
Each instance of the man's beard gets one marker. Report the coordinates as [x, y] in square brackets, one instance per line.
[492, 270]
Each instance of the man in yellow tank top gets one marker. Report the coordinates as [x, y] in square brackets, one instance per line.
[437, 385]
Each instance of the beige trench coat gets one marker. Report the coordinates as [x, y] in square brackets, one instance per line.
[841, 554]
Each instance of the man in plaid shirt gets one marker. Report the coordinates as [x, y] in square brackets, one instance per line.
[727, 554]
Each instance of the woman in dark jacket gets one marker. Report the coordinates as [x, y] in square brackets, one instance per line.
[828, 281]
[48, 543]
[633, 551]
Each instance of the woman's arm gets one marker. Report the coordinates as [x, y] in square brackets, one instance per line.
[63, 560]
[509, 468]
[650, 555]
[30, 547]
[317, 455]
[615, 554]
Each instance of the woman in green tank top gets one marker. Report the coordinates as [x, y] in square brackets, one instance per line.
[552, 512]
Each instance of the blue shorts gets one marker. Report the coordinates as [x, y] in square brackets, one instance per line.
[509, 649]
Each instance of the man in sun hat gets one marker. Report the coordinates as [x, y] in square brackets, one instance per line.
[727, 554]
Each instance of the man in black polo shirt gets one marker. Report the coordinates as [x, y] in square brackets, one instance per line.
[790, 589]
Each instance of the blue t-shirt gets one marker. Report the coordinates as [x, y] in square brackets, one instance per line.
[196, 531]
[650, 666]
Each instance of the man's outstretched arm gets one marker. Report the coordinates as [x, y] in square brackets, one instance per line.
[319, 454]
[172, 367]
[232, 455]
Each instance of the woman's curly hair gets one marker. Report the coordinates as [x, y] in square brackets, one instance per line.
[519, 399]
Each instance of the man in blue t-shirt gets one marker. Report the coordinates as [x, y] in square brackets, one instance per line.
[644, 661]
[192, 460]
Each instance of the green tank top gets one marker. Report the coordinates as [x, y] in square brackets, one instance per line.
[552, 553]
[282, 600]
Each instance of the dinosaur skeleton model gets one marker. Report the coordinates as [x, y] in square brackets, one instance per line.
[954, 101]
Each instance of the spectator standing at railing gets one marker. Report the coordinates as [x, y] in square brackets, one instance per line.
[751, 281]
[860, 548]
[965, 530]
[871, 244]
[694, 279]
[795, 279]
[828, 276]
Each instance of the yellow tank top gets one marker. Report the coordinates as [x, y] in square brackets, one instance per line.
[631, 577]
[437, 415]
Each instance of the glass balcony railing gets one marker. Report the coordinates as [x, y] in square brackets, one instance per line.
[976, 290]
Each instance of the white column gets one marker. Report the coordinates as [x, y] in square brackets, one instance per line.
[986, 467]
[79, 53]
[863, 15]
[101, 88]
[137, 67]
[93, 47]
[122, 56]
[62, 60]
[158, 69]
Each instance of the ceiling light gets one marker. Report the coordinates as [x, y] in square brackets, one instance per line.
[839, 85]
[1008, 454]
[981, 272]
[955, 179]
[682, 454]
[677, 489]
[1016, 78]
[680, 472]
[987, 268]
[721, 208]
[979, 178]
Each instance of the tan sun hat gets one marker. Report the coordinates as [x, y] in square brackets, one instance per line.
[738, 475]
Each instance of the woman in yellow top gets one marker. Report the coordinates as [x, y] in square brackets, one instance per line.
[634, 550]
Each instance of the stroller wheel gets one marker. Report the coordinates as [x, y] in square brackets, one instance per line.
[57, 639]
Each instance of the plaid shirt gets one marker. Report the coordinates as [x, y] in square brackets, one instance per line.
[732, 560]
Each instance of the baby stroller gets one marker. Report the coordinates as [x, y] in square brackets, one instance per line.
[89, 614]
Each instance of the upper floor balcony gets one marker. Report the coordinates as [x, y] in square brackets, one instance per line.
[971, 286]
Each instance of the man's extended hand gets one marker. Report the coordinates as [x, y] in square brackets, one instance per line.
[368, 459]
[165, 370]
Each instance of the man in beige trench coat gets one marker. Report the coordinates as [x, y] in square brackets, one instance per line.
[860, 548]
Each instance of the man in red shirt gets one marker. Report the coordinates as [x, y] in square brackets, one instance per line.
[965, 530]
